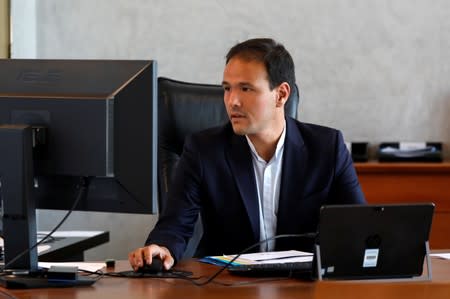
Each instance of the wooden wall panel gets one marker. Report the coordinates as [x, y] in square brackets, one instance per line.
[411, 183]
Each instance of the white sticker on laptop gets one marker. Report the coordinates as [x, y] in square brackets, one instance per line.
[370, 258]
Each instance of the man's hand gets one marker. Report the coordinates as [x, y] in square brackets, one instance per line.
[144, 255]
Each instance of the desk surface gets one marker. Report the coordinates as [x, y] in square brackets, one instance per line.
[109, 287]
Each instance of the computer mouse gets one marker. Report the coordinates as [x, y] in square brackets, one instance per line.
[155, 267]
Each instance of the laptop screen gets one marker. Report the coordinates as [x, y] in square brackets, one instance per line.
[373, 241]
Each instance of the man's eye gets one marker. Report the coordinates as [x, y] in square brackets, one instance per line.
[245, 89]
[226, 88]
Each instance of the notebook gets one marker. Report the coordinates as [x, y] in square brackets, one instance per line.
[273, 263]
[373, 241]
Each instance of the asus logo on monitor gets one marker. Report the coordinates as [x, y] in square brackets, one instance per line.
[40, 77]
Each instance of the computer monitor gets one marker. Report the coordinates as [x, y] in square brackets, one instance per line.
[65, 120]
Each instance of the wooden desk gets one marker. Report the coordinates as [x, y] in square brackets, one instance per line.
[408, 183]
[109, 287]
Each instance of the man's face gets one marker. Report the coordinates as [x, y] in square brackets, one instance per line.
[250, 104]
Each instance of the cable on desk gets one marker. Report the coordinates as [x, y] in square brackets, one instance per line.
[7, 295]
[212, 277]
[132, 274]
[175, 274]
[195, 280]
[84, 186]
[99, 274]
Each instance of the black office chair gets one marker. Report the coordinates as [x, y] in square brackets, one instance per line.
[185, 108]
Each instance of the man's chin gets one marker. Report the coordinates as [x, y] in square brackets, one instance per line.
[239, 130]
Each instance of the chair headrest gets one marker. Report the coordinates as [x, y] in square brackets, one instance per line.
[185, 99]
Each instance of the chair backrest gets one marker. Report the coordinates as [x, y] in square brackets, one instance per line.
[185, 108]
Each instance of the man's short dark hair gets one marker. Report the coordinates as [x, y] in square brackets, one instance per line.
[279, 63]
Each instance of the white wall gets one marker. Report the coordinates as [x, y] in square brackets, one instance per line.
[377, 70]
[23, 28]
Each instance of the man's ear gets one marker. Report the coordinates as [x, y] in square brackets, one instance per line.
[283, 92]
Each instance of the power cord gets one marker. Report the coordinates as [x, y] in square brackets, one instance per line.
[174, 273]
[212, 277]
[84, 186]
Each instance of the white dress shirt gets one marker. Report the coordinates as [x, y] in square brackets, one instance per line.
[268, 178]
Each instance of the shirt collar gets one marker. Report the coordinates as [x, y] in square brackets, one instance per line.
[280, 145]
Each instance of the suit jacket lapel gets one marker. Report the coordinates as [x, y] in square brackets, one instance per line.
[295, 158]
[241, 164]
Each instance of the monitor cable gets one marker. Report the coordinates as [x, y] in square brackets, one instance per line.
[84, 187]
[174, 273]
[230, 262]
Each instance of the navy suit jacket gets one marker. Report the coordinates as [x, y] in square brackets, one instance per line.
[215, 176]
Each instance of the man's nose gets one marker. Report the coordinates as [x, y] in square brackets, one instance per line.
[234, 99]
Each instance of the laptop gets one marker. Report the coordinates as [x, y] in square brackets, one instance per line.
[373, 241]
[362, 242]
[274, 263]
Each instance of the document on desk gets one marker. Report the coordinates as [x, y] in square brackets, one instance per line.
[445, 256]
[271, 257]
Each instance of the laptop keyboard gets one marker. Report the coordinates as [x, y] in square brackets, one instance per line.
[277, 269]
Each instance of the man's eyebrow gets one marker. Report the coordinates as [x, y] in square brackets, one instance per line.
[240, 83]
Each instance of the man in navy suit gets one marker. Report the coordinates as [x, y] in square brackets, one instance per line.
[263, 174]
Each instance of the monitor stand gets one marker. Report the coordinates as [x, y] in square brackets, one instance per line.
[16, 185]
[19, 217]
[39, 279]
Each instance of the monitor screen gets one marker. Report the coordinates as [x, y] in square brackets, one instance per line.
[93, 119]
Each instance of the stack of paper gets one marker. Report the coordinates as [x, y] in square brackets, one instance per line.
[289, 256]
